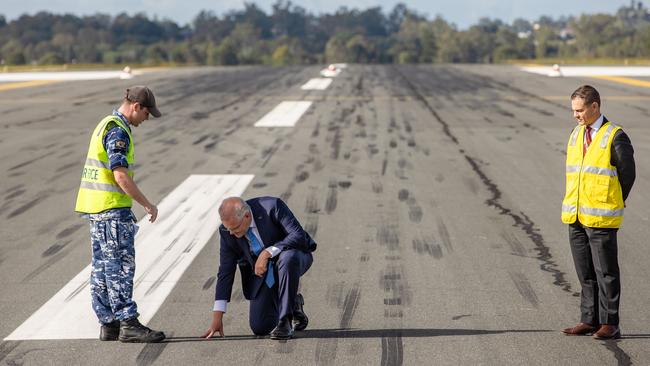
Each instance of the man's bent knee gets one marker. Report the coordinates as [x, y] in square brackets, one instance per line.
[262, 329]
[288, 258]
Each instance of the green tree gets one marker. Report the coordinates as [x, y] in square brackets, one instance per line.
[157, 53]
[642, 40]
[506, 45]
[407, 47]
[360, 49]
[336, 49]
[591, 32]
[211, 56]
[15, 58]
[281, 56]
[450, 42]
[51, 58]
[247, 37]
[545, 42]
[179, 53]
[226, 53]
[288, 20]
[482, 40]
[428, 42]
[208, 27]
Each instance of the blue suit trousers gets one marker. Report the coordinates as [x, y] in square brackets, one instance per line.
[272, 304]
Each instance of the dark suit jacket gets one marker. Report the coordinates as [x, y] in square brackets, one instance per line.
[277, 226]
[622, 157]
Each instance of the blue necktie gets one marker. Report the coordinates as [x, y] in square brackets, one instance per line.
[256, 248]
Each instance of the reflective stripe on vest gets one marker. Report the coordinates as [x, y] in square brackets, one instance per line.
[592, 169]
[97, 163]
[600, 212]
[98, 190]
[101, 187]
[569, 209]
[593, 193]
[608, 132]
[574, 136]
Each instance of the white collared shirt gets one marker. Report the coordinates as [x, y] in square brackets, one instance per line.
[222, 305]
[272, 250]
[594, 128]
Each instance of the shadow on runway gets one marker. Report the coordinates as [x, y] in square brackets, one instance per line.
[406, 332]
[371, 333]
[216, 338]
[633, 336]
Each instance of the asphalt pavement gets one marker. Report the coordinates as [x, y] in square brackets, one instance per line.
[433, 191]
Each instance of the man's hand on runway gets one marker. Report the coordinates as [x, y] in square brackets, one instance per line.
[216, 326]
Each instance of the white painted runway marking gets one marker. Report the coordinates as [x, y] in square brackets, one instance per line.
[591, 70]
[285, 114]
[164, 250]
[60, 76]
[317, 84]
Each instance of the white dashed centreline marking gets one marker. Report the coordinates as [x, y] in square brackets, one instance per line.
[188, 217]
[285, 114]
[317, 84]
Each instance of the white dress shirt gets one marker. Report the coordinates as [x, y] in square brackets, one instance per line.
[594, 128]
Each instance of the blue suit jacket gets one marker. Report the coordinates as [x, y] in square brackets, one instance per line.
[277, 226]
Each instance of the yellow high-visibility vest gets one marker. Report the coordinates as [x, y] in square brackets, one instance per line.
[593, 192]
[98, 190]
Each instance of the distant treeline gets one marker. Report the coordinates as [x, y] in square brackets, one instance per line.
[292, 35]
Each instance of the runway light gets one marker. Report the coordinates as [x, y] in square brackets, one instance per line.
[555, 71]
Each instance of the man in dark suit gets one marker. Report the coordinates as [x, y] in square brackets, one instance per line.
[264, 239]
[600, 172]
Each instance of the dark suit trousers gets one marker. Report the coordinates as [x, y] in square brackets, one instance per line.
[272, 304]
[595, 254]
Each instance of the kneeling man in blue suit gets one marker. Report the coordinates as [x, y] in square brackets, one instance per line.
[264, 239]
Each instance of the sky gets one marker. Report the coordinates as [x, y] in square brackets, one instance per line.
[461, 12]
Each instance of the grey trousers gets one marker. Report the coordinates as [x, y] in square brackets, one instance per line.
[595, 254]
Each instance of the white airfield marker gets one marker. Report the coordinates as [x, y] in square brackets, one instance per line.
[317, 84]
[188, 217]
[285, 114]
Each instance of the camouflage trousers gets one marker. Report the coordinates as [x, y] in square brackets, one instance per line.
[113, 267]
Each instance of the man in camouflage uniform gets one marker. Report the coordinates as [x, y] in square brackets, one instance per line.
[105, 198]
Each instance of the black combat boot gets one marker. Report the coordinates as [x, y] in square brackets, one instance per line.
[131, 331]
[109, 331]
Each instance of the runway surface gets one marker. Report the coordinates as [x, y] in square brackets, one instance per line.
[434, 194]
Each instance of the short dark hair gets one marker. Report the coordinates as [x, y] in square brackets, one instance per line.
[588, 93]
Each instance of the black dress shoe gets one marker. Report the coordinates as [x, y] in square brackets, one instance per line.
[300, 319]
[109, 331]
[284, 330]
[131, 331]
